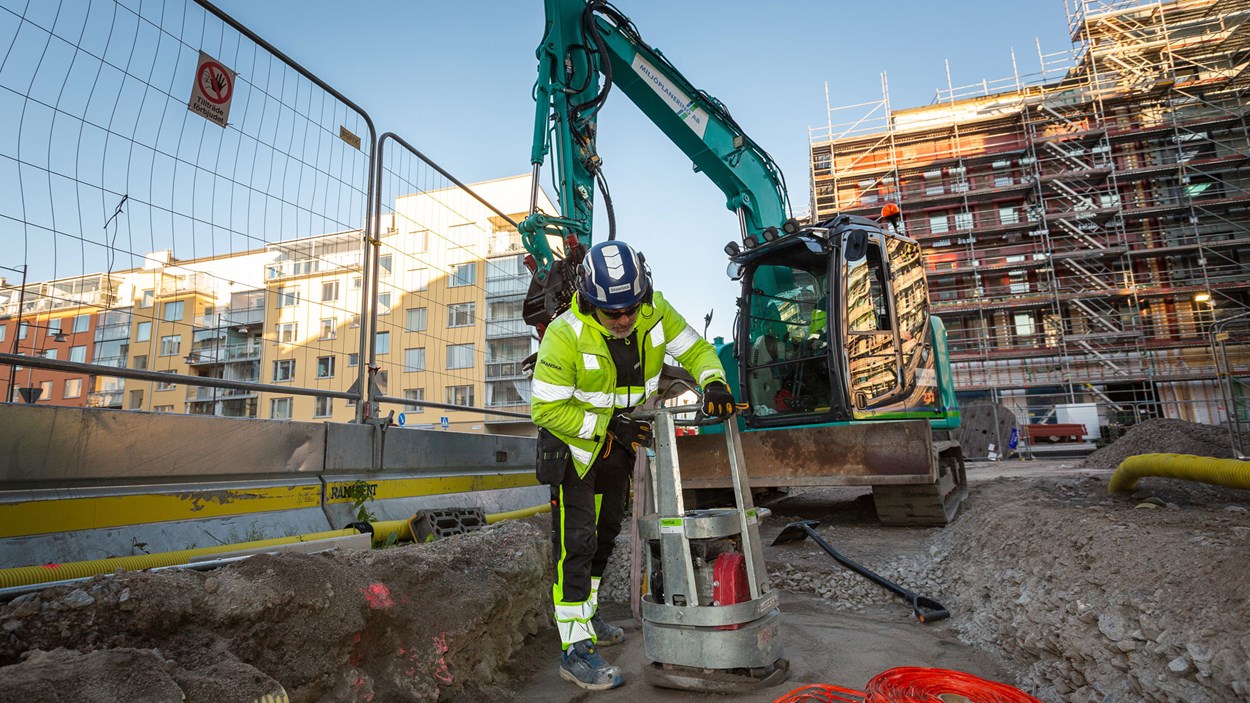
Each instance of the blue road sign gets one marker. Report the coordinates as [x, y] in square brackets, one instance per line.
[402, 419]
[444, 421]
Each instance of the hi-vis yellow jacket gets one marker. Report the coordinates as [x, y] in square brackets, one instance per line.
[575, 388]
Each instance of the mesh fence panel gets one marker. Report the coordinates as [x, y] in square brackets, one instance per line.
[450, 285]
[151, 237]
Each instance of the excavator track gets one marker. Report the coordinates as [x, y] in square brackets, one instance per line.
[927, 505]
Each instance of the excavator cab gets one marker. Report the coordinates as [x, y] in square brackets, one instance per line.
[834, 326]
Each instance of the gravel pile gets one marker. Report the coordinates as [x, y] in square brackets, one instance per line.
[1163, 436]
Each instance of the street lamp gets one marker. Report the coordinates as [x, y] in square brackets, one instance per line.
[30, 394]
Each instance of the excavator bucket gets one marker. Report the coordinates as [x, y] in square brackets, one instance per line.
[915, 480]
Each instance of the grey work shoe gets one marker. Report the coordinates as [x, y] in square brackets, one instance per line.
[606, 634]
[582, 665]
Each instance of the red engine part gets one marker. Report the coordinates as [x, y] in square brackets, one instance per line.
[729, 582]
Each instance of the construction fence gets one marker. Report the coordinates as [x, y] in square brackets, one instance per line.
[195, 223]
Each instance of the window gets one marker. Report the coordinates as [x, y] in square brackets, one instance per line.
[938, 224]
[164, 385]
[353, 360]
[355, 282]
[460, 314]
[4, 331]
[420, 279]
[460, 395]
[141, 362]
[22, 329]
[414, 359]
[384, 303]
[171, 345]
[162, 408]
[148, 299]
[459, 356]
[78, 354]
[325, 367]
[383, 345]
[288, 332]
[418, 240]
[287, 297]
[45, 390]
[73, 388]
[49, 353]
[1008, 215]
[329, 328]
[414, 394]
[136, 399]
[280, 408]
[283, 370]
[83, 322]
[323, 407]
[414, 319]
[1025, 325]
[384, 264]
[462, 275]
[329, 292]
[143, 332]
[173, 311]
[963, 220]
[54, 327]
[353, 321]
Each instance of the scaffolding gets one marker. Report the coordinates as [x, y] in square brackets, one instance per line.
[1084, 226]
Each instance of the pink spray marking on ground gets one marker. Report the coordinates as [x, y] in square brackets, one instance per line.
[378, 596]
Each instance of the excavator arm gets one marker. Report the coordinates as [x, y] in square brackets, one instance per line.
[588, 48]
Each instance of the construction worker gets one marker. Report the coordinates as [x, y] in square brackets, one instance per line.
[596, 362]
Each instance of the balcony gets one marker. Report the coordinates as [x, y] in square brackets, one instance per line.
[507, 327]
[198, 282]
[117, 362]
[506, 285]
[224, 355]
[500, 370]
[305, 267]
[105, 399]
[112, 333]
[199, 394]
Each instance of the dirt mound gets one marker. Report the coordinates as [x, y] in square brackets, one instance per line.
[1099, 597]
[418, 622]
[1163, 436]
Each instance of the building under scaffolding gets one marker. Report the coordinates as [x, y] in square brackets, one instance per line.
[1083, 230]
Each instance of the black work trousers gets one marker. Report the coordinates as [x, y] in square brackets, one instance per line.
[586, 519]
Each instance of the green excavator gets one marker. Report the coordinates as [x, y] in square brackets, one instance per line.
[846, 371]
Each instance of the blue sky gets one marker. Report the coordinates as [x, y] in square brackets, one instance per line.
[455, 79]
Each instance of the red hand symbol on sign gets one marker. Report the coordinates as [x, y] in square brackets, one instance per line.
[215, 82]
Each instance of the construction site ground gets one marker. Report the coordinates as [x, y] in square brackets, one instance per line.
[1054, 586]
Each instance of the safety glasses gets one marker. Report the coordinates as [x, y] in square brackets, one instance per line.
[618, 314]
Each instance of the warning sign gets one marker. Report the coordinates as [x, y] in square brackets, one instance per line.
[213, 89]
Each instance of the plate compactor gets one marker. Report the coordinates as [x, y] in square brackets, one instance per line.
[710, 620]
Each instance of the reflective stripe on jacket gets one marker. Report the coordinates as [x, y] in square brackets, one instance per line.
[574, 390]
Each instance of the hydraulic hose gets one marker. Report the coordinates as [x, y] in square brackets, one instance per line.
[1232, 473]
[518, 514]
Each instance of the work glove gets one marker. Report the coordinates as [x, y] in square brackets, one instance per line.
[630, 432]
[718, 401]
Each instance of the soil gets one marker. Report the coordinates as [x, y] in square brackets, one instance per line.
[1055, 587]
[1164, 436]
